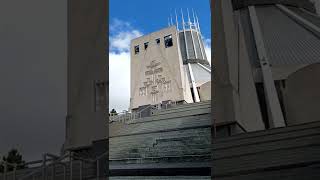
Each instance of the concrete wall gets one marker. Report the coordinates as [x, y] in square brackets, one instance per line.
[205, 91]
[283, 153]
[168, 63]
[87, 63]
[302, 95]
[250, 113]
[234, 91]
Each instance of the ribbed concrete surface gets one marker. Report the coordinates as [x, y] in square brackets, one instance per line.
[287, 42]
[284, 153]
[175, 139]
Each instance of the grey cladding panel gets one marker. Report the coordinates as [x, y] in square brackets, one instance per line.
[287, 42]
[197, 45]
[182, 46]
[190, 45]
[204, 51]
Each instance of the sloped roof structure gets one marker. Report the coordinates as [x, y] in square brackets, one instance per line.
[267, 55]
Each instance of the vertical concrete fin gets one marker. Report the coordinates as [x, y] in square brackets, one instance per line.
[274, 109]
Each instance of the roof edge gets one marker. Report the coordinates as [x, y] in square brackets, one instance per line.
[305, 4]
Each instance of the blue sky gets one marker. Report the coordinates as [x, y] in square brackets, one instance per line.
[152, 15]
[129, 19]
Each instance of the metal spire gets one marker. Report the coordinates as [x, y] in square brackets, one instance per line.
[189, 22]
[171, 19]
[184, 34]
[198, 23]
[176, 19]
[182, 19]
[168, 22]
[194, 20]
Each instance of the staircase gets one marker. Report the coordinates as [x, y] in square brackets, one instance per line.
[175, 139]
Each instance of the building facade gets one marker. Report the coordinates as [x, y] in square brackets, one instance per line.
[169, 65]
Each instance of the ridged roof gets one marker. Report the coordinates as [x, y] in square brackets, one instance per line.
[287, 42]
[306, 4]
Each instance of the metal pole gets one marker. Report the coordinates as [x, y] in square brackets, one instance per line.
[80, 169]
[190, 26]
[53, 171]
[198, 34]
[185, 36]
[64, 172]
[15, 171]
[176, 19]
[70, 167]
[5, 171]
[98, 170]
[44, 159]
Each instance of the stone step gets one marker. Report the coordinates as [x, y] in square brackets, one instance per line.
[160, 178]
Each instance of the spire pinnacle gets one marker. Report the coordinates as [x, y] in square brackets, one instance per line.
[182, 19]
[198, 23]
[177, 24]
[194, 20]
[189, 22]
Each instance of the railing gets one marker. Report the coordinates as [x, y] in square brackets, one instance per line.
[43, 169]
[169, 105]
[55, 160]
[129, 116]
[5, 170]
[15, 165]
[96, 161]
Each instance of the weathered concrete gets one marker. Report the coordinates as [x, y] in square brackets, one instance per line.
[170, 67]
[281, 153]
[301, 95]
[87, 68]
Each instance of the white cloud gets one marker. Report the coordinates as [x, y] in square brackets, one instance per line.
[119, 76]
[121, 41]
[121, 33]
[207, 48]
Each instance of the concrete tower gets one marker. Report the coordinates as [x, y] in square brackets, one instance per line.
[87, 69]
[266, 63]
[170, 65]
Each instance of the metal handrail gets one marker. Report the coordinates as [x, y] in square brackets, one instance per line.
[15, 165]
[55, 160]
[136, 115]
[95, 160]
[44, 165]
[129, 115]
